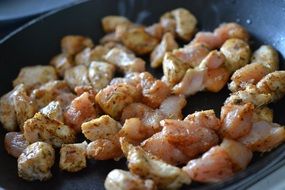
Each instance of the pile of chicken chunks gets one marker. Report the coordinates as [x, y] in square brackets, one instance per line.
[138, 116]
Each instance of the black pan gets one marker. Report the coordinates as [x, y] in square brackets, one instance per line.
[38, 41]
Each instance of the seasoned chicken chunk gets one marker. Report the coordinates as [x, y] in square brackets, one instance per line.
[100, 74]
[168, 23]
[61, 63]
[86, 56]
[185, 23]
[54, 111]
[148, 166]
[77, 76]
[155, 30]
[7, 112]
[231, 30]
[73, 157]
[125, 61]
[81, 109]
[124, 180]
[167, 44]
[36, 161]
[172, 106]
[73, 44]
[103, 127]
[15, 143]
[110, 22]
[41, 74]
[263, 113]
[114, 98]
[237, 53]
[42, 128]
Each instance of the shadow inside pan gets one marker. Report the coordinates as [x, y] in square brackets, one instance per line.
[37, 43]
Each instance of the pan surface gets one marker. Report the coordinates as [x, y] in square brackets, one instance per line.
[39, 40]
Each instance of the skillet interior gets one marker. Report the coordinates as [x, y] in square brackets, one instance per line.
[37, 43]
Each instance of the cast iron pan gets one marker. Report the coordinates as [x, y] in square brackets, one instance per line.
[39, 40]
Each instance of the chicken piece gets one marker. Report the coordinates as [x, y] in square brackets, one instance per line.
[133, 79]
[42, 128]
[100, 74]
[155, 30]
[264, 136]
[36, 161]
[153, 91]
[192, 82]
[214, 166]
[185, 23]
[77, 76]
[110, 22]
[192, 54]
[167, 44]
[168, 23]
[104, 149]
[159, 146]
[274, 84]
[148, 166]
[54, 111]
[189, 139]
[73, 44]
[73, 157]
[61, 63]
[125, 61]
[113, 99]
[172, 107]
[209, 39]
[110, 38]
[124, 180]
[263, 113]
[236, 120]
[237, 53]
[41, 74]
[138, 40]
[205, 119]
[173, 68]
[7, 111]
[231, 30]
[99, 128]
[239, 154]
[267, 56]
[86, 56]
[15, 143]
[49, 92]
[80, 110]
[65, 99]
[248, 74]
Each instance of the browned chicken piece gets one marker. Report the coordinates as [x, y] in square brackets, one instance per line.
[185, 23]
[100, 74]
[61, 63]
[172, 106]
[130, 78]
[214, 166]
[156, 30]
[148, 166]
[54, 111]
[205, 118]
[114, 98]
[138, 40]
[73, 44]
[159, 146]
[110, 22]
[36, 161]
[86, 56]
[167, 44]
[192, 54]
[73, 157]
[77, 76]
[41, 75]
[42, 128]
[173, 68]
[49, 92]
[104, 149]
[125, 61]
[264, 136]
[80, 110]
[236, 120]
[110, 38]
[103, 127]
[263, 113]
[189, 139]
[125, 180]
[15, 143]
[168, 23]
[237, 53]
[153, 91]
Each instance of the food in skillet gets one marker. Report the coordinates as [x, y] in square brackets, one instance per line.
[138, 116]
